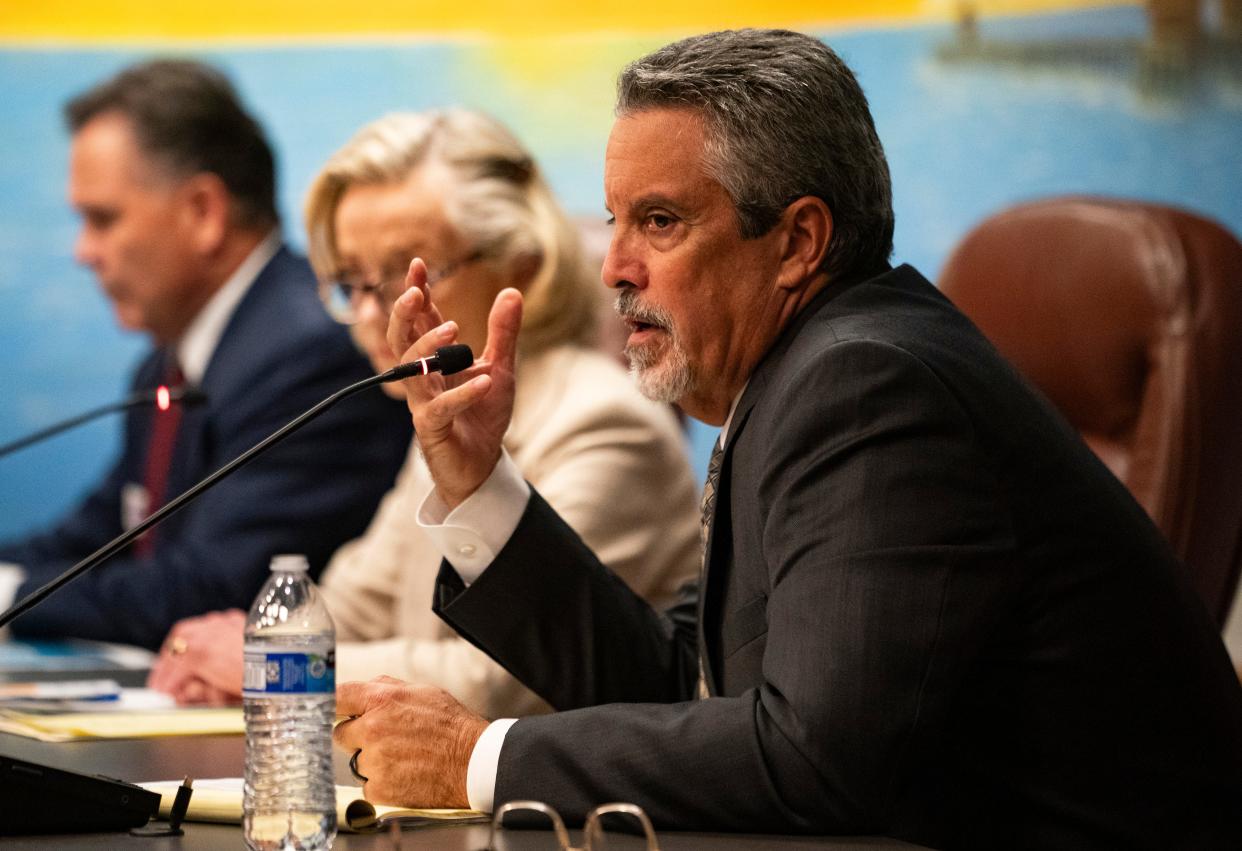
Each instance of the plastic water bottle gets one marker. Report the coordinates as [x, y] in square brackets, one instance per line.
[289, 694]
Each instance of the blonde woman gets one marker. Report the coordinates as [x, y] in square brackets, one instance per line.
[456, 189]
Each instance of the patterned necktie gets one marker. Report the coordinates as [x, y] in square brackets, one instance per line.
[164, 423]
[707, 510]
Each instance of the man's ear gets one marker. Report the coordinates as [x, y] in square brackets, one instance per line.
[206, 207]
[807, 227]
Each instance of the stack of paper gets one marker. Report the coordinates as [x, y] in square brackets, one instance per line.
[140, 716]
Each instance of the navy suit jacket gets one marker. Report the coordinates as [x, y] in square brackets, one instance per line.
[929, 612]
[279, 355]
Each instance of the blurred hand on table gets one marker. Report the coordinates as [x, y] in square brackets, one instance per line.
[200, 662]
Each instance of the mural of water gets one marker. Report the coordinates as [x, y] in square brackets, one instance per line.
[965, 137]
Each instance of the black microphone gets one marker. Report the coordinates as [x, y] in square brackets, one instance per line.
[447, 360]
[162, 396]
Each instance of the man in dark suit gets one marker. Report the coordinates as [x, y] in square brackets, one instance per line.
[926, 609]
[175, 184]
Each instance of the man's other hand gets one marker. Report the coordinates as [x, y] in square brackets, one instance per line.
[415, 742]
[200, 662]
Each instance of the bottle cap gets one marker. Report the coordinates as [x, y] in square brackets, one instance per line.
[290, 564]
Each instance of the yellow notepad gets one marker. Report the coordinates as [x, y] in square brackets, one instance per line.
[74, 726]
[220, 800]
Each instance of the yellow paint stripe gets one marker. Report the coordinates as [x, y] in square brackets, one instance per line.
[93, 21]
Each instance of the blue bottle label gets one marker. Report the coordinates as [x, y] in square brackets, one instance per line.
[289, 673]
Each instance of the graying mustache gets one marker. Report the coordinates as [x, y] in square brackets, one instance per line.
[628, 308]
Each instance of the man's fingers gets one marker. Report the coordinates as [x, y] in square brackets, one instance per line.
[346, 735]
[416, 279]
[168, 674]
[355, 698]
[192, 692]
[479, 367]
[440, 412]
[413, 313]
[426, 345]
[159, 675]
[416, 275]
[503, 324]
[404, 320]
[215, 696]
[351, 698]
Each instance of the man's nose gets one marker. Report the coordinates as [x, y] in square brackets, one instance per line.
[85, 249]
[622, 268]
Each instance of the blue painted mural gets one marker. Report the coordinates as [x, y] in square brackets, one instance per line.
[964, 138]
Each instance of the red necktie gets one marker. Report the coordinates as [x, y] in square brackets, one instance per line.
[159, 456]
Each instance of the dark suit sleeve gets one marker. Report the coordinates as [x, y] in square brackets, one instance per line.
[307, 495]
[563, 616]
[886, 549]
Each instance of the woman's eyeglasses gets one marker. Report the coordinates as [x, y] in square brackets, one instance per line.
[344, 297]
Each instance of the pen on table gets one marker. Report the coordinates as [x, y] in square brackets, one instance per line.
[176, 813]
[181, 804]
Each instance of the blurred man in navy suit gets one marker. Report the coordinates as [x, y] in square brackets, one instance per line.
[175, 186]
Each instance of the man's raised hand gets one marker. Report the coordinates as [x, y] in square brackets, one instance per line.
[459, 419]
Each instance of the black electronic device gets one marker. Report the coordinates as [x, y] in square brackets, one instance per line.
[41, 799]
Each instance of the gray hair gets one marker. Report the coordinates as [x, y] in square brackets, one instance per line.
[785, 118]
[499, 202]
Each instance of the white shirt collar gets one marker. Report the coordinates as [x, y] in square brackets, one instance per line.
[724, 429]
[198, 343]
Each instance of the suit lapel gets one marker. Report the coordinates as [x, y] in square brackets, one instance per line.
[228, 369]
[720, 549]
[247, 328]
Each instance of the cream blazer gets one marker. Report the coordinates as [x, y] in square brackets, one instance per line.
[612, 463]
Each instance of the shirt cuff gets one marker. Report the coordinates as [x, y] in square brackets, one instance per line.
[11, 578]
[471, 535]
[484, 761]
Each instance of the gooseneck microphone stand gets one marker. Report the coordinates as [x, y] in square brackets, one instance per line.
[447, 360]
[185, 396]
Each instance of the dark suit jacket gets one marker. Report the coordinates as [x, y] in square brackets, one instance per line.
[929, 612]
[279, 355]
